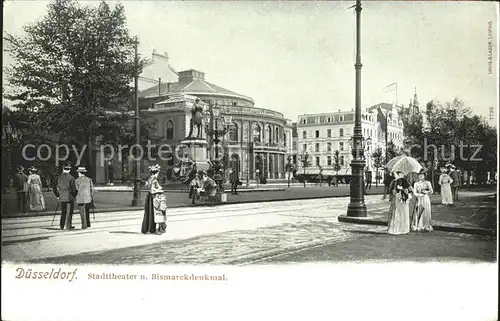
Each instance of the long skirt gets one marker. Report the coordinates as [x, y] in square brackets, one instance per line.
[148, 222]
[36, 199]
[446, 195]
[422, 215]
[400, 218]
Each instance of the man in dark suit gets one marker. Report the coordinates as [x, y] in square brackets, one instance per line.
[455, 185]
[65, 192]
[234, 179]
[21, 186]
[368, 177]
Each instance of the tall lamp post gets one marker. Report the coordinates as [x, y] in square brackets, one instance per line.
[215, 115]
[10, 136]
[136, 201]
[357, 206]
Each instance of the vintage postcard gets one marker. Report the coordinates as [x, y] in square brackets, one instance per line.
[250, 160]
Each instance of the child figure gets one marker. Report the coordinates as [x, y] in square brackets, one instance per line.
[160, 211]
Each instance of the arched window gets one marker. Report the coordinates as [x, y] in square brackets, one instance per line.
[256, 133]
[277, 135]
[284, 139]
[169, 130]
[269, 134]
[233, 132]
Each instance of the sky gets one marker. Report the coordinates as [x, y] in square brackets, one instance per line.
[298, 57]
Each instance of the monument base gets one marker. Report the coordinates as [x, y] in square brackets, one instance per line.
[195, 149]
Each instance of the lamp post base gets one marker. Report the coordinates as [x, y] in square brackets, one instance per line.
[137, 200]
[356, 209]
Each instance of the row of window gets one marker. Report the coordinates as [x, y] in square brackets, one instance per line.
[324, 119]
[366, 132]
[328, 133]
[330, 161]
[328, 147]
[257, 134]
[233, 132]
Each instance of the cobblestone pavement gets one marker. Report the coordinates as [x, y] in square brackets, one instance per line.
[231, 234]
[414, 247]
[34, 238]
[225, 248]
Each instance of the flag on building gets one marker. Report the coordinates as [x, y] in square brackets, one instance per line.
[391, 87]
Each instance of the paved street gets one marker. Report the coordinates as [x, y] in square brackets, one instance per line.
[256, 227]
[235, 234]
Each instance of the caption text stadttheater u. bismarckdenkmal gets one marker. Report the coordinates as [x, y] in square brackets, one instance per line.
[157, 277]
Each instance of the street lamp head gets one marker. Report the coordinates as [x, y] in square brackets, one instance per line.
[228, 119]
[216, 110]
[206, 117]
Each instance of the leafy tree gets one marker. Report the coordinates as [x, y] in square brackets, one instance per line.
[391, 151]
[336, 164]
[378, 162]
[452, 131]
[305, 161]
[73, 69]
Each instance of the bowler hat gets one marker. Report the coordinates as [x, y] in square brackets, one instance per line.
[32, 169]
[67, 166]
[81, 169]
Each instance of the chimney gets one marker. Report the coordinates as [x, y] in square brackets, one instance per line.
[169, 88]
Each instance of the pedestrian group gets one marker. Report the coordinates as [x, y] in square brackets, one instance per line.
[409, 197]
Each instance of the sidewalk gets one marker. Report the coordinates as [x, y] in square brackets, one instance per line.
[475, 212]
[110, 200]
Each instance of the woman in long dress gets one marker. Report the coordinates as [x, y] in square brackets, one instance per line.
[399, 222]
[445, 182]
[35, 191]
[148, 221]
[422, 215]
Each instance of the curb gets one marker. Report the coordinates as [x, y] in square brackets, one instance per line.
[437, 227]
[135, 208]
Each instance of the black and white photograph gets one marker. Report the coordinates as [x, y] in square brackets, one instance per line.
[247, 137]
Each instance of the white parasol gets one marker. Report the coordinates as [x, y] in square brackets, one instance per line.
[406, 164]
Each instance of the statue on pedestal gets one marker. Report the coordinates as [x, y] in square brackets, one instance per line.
[196, 119]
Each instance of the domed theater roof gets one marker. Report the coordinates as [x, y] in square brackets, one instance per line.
[192, 82]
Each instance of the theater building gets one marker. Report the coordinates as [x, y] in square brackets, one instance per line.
[258, 142]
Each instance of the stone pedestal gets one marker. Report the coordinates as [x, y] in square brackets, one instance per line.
[221, 197]
[195, 149]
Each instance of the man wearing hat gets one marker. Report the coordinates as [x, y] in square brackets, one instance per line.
[84, 196]
[455, 176]
[65, 192]
[21, 186]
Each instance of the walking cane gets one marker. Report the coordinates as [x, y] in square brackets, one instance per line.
[55, 214]
[93, 209]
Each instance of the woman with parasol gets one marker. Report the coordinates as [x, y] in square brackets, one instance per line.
[421, 221]
[400, 189]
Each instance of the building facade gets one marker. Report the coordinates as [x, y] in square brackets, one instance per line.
[258, 141]
[321, 135]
